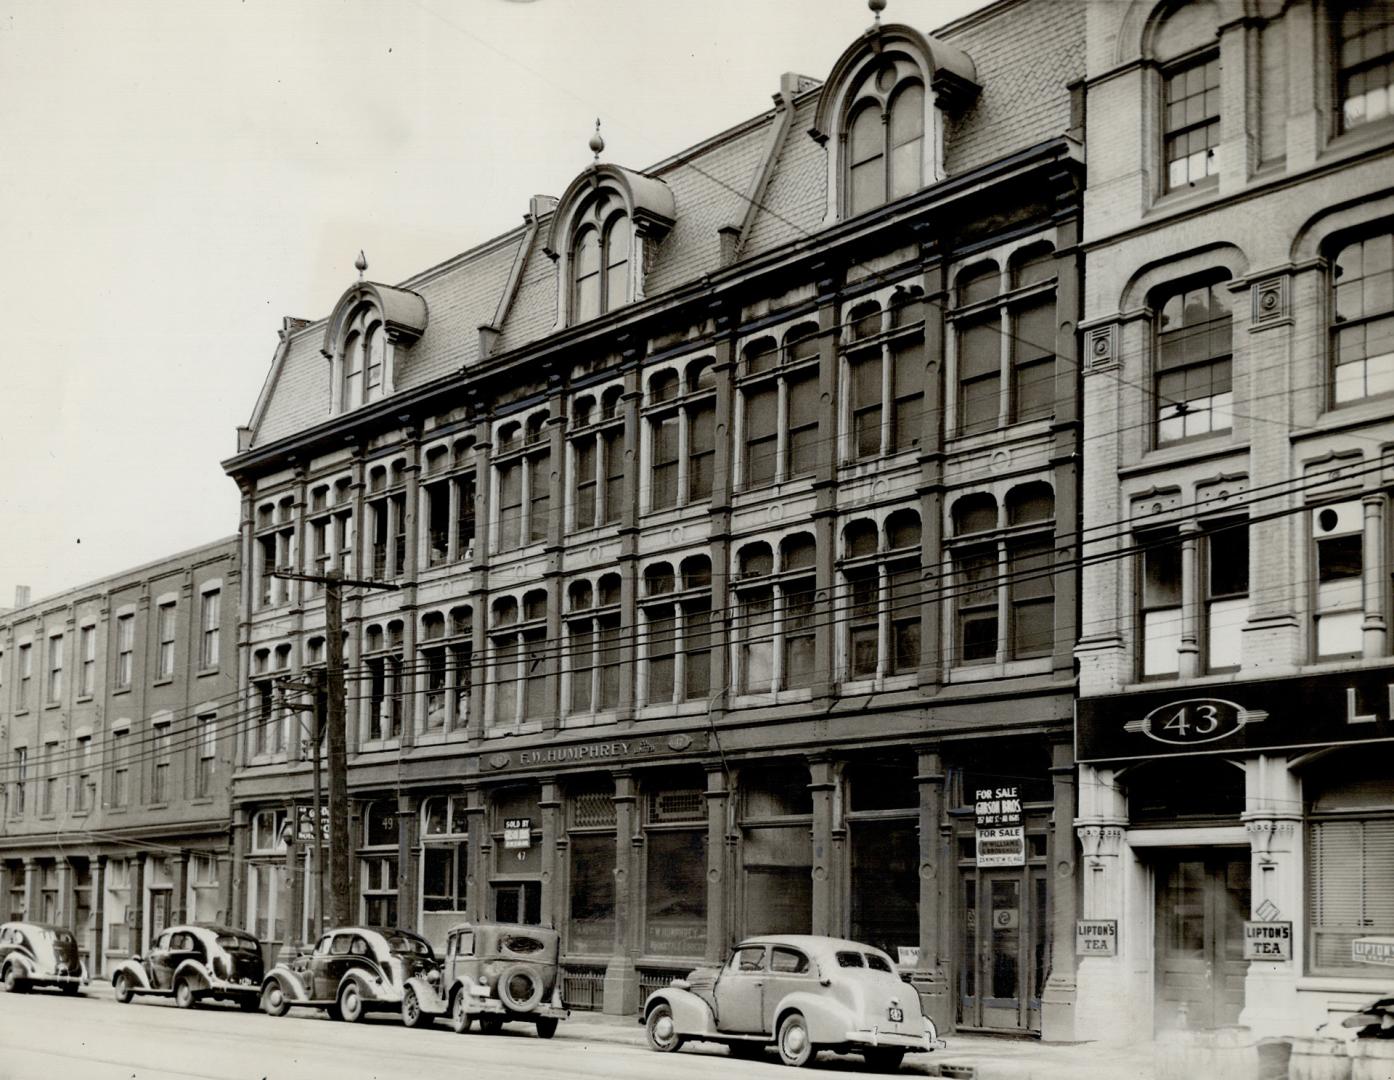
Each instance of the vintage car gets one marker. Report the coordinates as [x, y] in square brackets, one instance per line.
[194, 962]
[802, 993]
[36, 954]
[351, 971]
[496, 972]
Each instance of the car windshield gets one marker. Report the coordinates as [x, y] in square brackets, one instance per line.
[238, 943]
[407, 945]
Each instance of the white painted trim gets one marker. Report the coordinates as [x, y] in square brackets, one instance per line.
[211, 585]
[167, 598]
[1204, 836]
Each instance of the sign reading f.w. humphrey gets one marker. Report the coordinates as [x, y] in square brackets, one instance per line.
[1269, 714]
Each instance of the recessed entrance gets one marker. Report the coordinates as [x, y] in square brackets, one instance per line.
[1202, 900]
[1002, 967]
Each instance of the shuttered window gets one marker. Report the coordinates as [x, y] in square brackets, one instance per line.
[1351, 890]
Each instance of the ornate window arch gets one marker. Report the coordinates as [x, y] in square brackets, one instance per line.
[881, 116]
[368, 326]
[600, 237]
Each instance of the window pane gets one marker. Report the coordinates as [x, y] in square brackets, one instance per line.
[757, 651]
[701, 437]
[761, 446]
[676, 893]
[662, 628]
[697, 642]
[592, 925]
[664, 477]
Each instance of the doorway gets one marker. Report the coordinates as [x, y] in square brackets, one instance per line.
[1202, 900]
[1002, 966]
[518, 902]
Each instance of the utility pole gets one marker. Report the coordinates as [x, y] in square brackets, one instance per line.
[335, 721]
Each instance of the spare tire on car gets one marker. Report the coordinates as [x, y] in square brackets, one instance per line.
[520, 987]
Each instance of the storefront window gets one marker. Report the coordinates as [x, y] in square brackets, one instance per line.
[883, 829]
[1350, 859]
[777, 852]
[592, 927]
[676, 908]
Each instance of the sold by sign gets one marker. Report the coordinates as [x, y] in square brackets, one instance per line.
[1268, 941]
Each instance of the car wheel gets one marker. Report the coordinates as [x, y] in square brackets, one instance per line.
[883, 1060]
[795, 1047]
[121, 987]
[413, 1015]
[491, 1025]
[460, 1018]
[184, 994]
[546, 1027]
[14, 982]
[350, 1004]
[274, 1001]
[660, 1029]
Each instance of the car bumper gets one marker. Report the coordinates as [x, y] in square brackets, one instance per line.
[58, 980]
[894, 1040]
[495, 1007]
[228, 988]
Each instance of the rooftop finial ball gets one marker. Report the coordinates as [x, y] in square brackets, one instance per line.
[361, 263]
[877, 6]
[597, 143]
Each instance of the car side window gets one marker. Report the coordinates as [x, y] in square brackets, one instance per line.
[162, 942]
[850, 960]
[340, 946]
[750, 958]
[788, 961]
[323, 947]
[877, 962]
[464, 944]
[359, 947]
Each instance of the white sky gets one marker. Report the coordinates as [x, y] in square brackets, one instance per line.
[177, 175]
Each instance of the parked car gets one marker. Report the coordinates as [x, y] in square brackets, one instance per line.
[496, 972]
[192, 963]
[351, 971]
[803, 994]
[37, 954]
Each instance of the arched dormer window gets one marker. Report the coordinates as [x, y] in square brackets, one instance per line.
[885, 138]
[881, 114]
[599, 234]
[371, 327]
[600, 262]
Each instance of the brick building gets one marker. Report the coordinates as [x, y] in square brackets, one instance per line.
[118, 717]
[1234, 720]
[729, 508]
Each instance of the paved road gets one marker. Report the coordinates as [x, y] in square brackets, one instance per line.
[46, 1036]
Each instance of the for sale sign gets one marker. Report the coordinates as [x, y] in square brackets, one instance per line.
[1001, 837]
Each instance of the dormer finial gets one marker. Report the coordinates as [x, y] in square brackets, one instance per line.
[597, 143]
[361, 264]
[877, 6]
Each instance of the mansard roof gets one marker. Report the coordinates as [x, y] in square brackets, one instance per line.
[1023, 57]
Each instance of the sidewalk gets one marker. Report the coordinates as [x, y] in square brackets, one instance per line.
[969, 1057]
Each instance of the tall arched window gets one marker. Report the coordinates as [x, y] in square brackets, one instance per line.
[600, 267]
[364, 359]
[885, 136]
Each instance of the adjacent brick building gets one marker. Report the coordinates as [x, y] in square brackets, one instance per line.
[730, 508]
[1234, 720]
[118, 717]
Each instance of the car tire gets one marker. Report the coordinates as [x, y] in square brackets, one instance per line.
[883, 1060]
[15, 983]
[184, 994]
[490, 1024]
[274, 1001]
[795, 1046]
[546, 1027]
[350, 1003]
[660, 1029]
[413, 1015]
[520, 988]
[121, 987]
[460, 1016]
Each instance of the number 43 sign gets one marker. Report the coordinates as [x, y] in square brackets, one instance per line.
[1195, 720]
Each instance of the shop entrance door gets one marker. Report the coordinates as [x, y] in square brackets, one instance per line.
[1002, 964]
[1202, 902]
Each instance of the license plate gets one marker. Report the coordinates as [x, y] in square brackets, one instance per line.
[896, 1014]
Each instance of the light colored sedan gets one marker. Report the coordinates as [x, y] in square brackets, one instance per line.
[803, 994]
